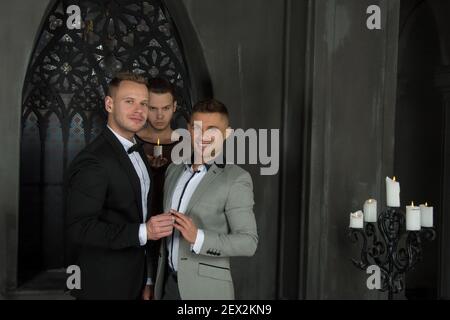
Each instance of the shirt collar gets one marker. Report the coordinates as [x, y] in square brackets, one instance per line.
[206, 165]
[123, 141]
[201, 168]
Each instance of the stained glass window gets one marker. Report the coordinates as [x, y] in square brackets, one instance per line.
[63, 99]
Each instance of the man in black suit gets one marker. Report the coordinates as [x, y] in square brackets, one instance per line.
[107, 199]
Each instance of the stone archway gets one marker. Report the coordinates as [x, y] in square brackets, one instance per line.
[63, 96]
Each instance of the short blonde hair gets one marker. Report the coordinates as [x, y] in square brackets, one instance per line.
[125, 76]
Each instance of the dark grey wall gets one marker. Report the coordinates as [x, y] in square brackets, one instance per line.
[19, 22]
[352, 111]
[294, 150]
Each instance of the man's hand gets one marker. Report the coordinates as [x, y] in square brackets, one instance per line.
[157, 162]
[159, 226]
[147, 293]
[186, 226]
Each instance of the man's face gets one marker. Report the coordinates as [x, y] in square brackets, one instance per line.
[161, 109]
[128, 107]
[208, 131]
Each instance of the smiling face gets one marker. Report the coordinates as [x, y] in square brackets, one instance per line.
[161, 109]
[208, 131]
[127, 108]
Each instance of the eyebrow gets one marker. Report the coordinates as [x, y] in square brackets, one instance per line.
[131, 98]
[161, 107]
[211, 127]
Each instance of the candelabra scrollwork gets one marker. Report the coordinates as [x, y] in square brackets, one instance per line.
[384, 244]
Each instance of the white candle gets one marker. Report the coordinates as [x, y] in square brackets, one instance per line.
[426, 215]
[157, 150]
[392, 192]
[412, 217]
[370, 210]
[357, 220]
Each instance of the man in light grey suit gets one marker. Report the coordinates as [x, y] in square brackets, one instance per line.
[212, 205]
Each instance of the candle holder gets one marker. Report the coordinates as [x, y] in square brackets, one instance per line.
[386, 250]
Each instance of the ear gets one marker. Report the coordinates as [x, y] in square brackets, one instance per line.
[175, 106]
[109, 104]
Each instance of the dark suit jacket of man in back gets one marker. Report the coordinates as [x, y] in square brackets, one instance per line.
[104, 211]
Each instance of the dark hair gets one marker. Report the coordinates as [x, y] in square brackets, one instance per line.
[210, 106]
[160, 86]
[124, 76]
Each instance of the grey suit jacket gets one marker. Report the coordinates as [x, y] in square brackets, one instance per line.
[222, 206]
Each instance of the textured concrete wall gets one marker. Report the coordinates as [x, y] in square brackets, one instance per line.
[352, 137]
[19, 23]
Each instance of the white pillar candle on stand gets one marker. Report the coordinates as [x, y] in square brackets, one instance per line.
[426, 215]
[412, 218]
[392, 192]
[157, 150]
[357, 220]
[370, 210]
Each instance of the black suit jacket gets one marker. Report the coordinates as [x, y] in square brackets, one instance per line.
[103, 214]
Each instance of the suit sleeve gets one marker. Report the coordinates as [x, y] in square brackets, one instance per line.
[87, 184]
[243, 237]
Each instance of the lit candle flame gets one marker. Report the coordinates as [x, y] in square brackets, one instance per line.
[426, 204]
[158, 141]
[393, 178]
[412, 203]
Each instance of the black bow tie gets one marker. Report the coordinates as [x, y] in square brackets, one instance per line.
[135, 148]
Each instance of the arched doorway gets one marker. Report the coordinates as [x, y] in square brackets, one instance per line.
[62, 108]
[420, 129]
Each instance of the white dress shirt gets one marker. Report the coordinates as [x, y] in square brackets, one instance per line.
[144, 178]
[186, 185]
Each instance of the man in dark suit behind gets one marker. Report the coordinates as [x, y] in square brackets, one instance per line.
[107, 201]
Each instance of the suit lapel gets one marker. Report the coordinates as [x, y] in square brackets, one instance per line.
[128, 167]
[203, 186]
[149, 170]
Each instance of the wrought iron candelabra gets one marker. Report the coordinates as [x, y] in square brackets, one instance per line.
[387, 250]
